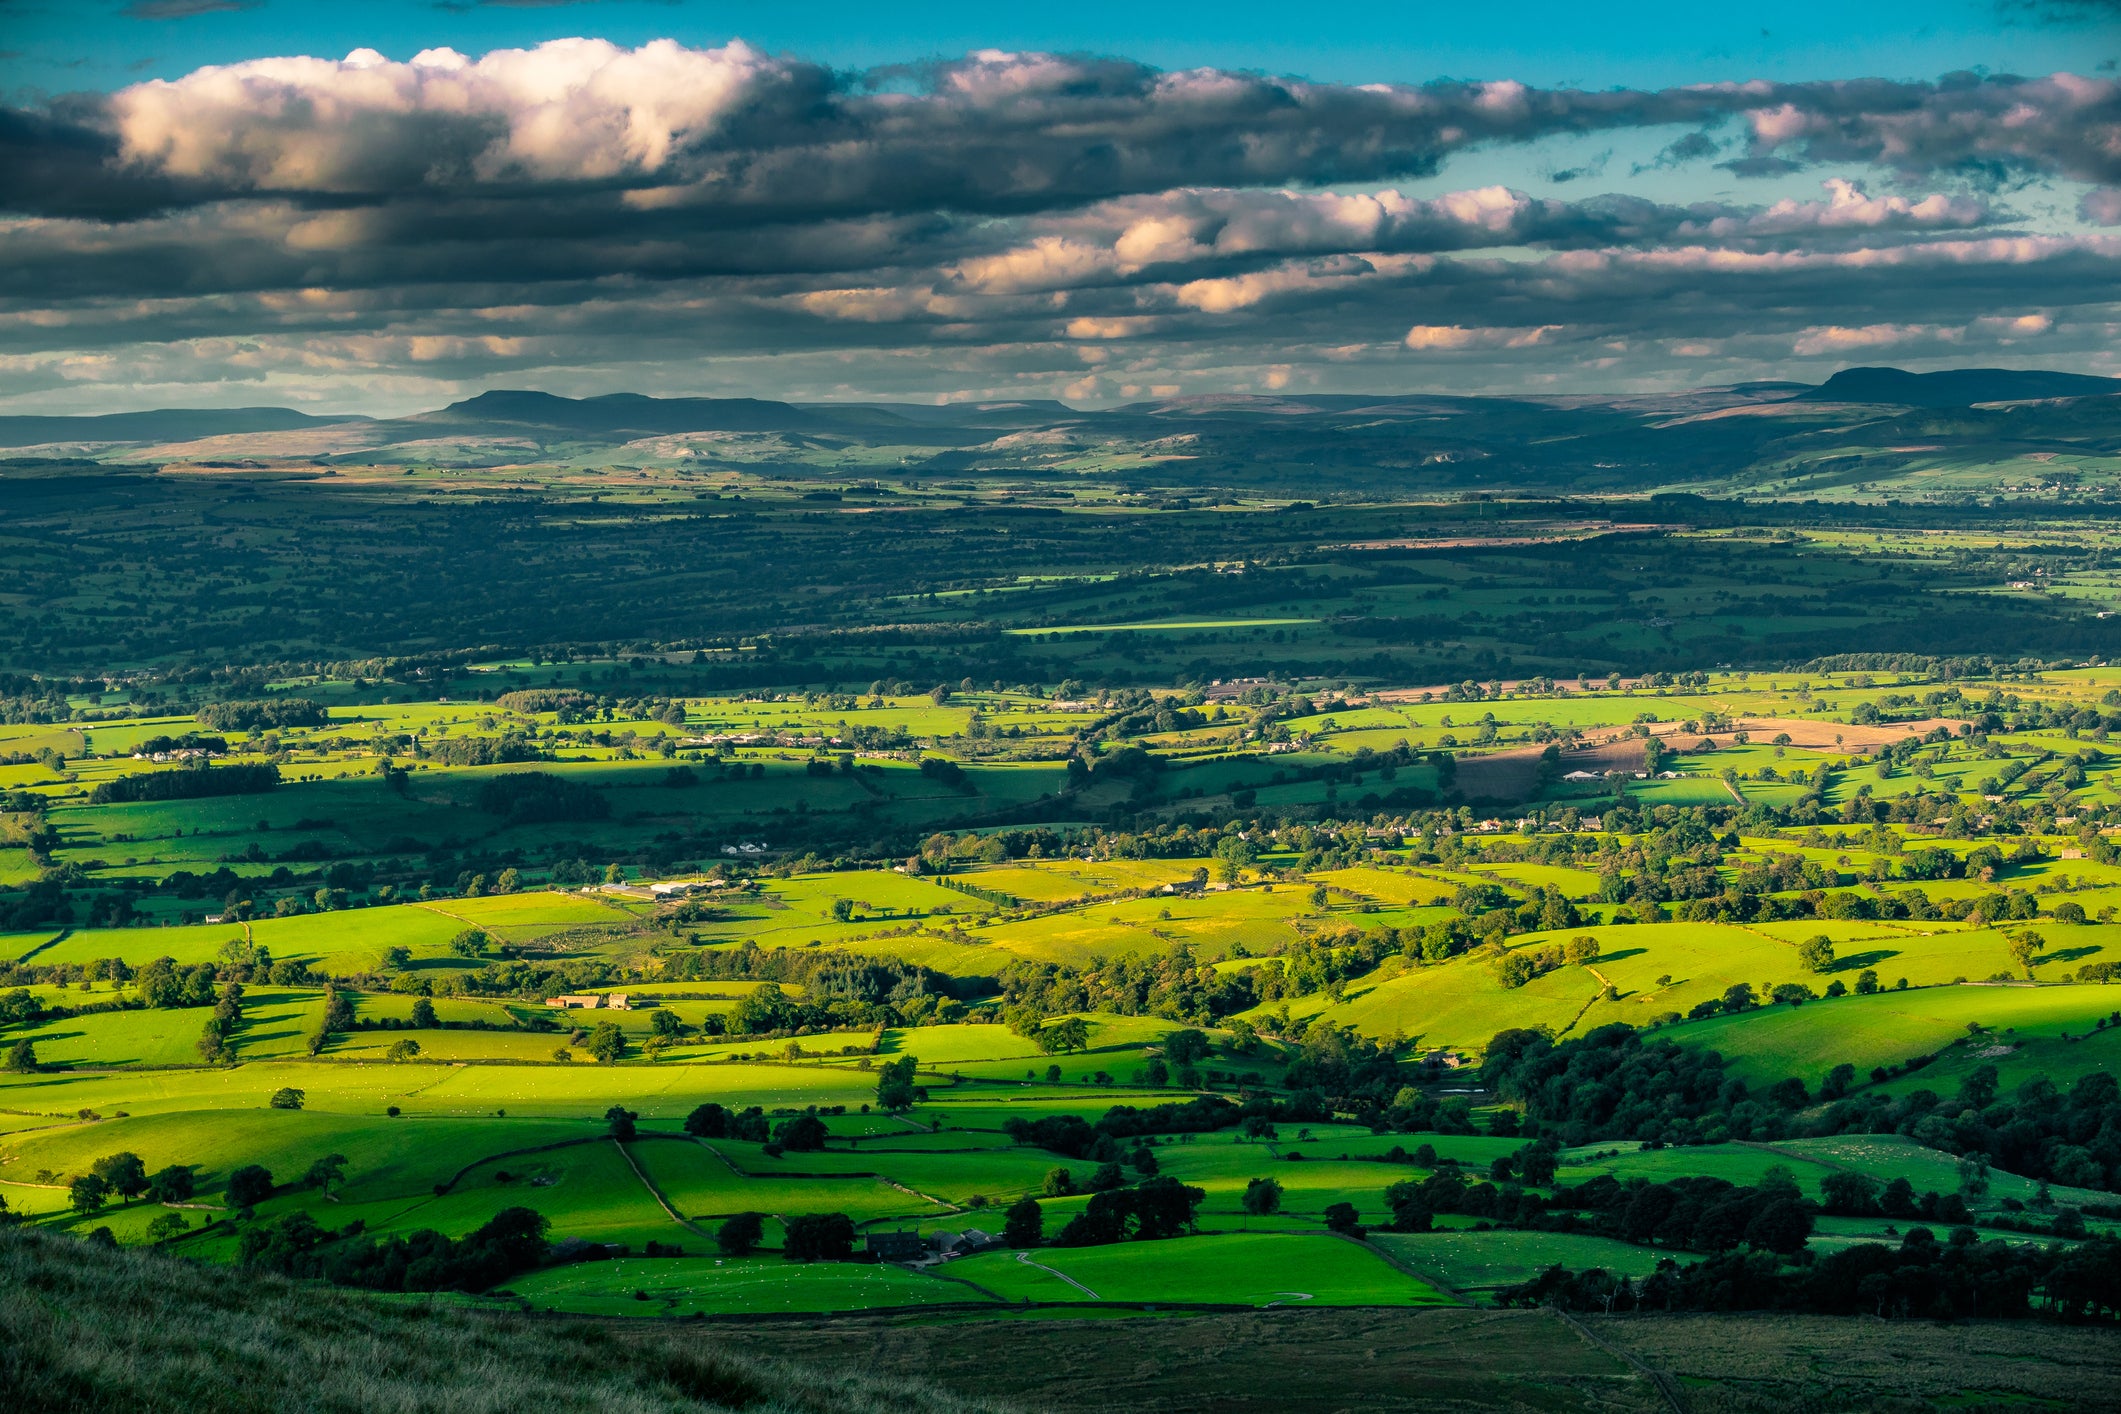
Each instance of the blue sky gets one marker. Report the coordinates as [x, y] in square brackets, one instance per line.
[216, 202]
[61, 44]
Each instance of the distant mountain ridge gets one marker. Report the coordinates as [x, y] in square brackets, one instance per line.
[1489, 424]
[157, 425]
[1956, 387]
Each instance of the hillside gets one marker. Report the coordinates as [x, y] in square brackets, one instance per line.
[88, 1327]
[1866, 433]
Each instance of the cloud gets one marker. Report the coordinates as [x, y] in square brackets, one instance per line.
[1454, 337]
[740, 132]
[1014, 222]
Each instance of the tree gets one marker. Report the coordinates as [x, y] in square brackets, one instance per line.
[1343, 1219]
[167, 1225]
[397, 959]
[403, 1050]
[842, 909]
[287, 1098]
[740, 1234]
[22, 1057]
[174, 1184]
[88, 1193]
[1024, 1225]
[249, 1186]
[1059, 1183]
[1849, 1194]
[664, 1022]
[818, 1237]
[1781, 1226]
[1262, 1196]
[472, 942]
[2025, 945]
[804, 1134]
[621, 1120]
[423, 1013]
[709, 1121]
[122, 1172]
[212, 1045]
[895, 1090]
[1515, 969]
[1063, 1036]
[607, 1043]
[1187, 1047]
[1817, 953]
[1581, 950]
[326, 1173]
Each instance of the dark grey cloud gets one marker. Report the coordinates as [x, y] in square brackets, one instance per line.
[1022, 222]
[764, 138]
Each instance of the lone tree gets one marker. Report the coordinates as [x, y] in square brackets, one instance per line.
[88, 1193]
[22, 1057]
[403, 1050]
[819, 1237]
[607, 1043]
[2025, 945]
[123, 1173]
[287, 1098]
[708, 1121]
[895, 1090]
[1024, 1225]
[1070, 1035]
[740, 1234]
[621, 1120]
[326, 1173]
[1262, 1196]
[249, 1186]
[1817, 953]
[174, 1184]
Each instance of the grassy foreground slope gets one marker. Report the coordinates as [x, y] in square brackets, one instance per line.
[91, 1328]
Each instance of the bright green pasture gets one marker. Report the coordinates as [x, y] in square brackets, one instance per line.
[1889, 1027]
[1889, 1156]
[1249, 1269]
[666, 1091]
[1476, 1261]
[751, 1286]
[346, 941]
[705, 1186]
[1742, 1164]
[388, 1158]
[522, 917]
[275, 1022]
[1460, 1003]
[1387, 885]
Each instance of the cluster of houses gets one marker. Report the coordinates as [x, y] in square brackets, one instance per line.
[615, 1001]
[758, 739]
[911, 1248]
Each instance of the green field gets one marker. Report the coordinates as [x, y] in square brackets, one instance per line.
[1251, 1269]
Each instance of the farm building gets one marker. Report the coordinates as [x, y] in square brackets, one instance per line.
[900, 1246]
[588, 1003]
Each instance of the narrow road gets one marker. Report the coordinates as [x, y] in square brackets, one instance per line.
[1025, 1258]
[655, 1192]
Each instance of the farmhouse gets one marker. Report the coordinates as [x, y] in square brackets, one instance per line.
[900, 1246]
[588, 1003]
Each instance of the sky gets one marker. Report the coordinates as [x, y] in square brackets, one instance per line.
[381, 207]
